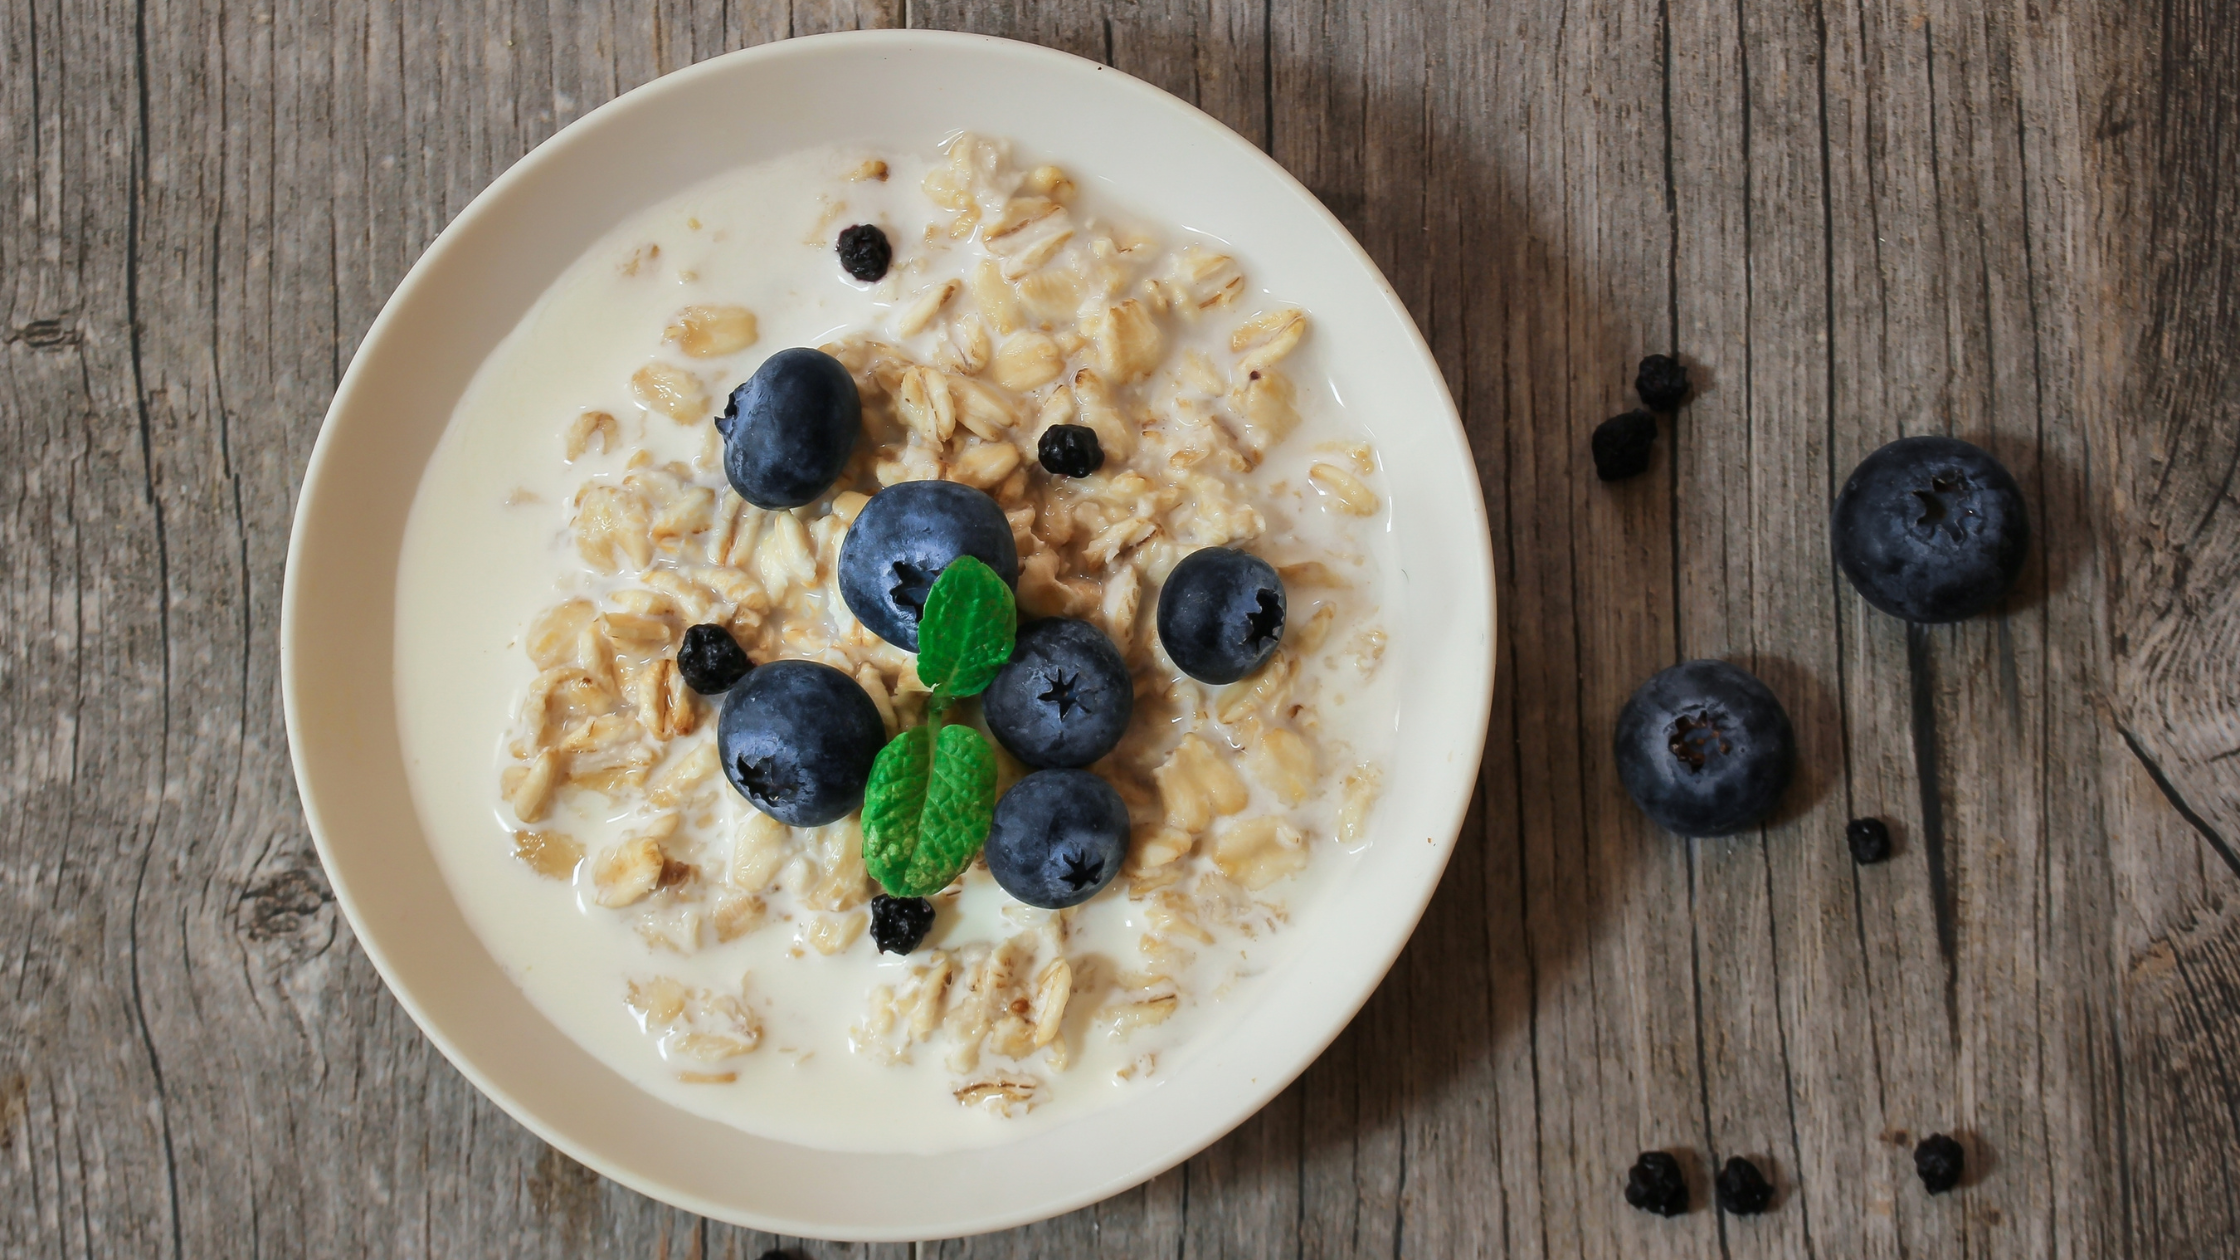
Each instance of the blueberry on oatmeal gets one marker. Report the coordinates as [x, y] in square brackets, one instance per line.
[1221, 614]
[797, 739]
[865, 253]
[902, 540]
[1070, 450]
[710, 660]
[1064, 697]
[1058, 838]
[1705, 749]
[788, 430]
[900, 924]
[1930, 529]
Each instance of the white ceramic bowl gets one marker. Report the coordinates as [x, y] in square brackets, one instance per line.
[474, 284]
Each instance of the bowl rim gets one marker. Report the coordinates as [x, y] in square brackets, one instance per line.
[434, 259]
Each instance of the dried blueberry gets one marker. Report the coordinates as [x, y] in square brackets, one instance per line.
[1662, 383]
[1070, 450]
[1654, 1184]
[1869, 839]
[1743, 1190]
[1940, 1161]
[864, 252]
[898, 924]
[1623, 444]
[710, 660]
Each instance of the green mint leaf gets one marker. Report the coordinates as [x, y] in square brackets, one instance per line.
[960, 804]
[927, 808]
[966, 633]
[893, 801]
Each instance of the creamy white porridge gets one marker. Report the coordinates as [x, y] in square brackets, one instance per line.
[576, 518]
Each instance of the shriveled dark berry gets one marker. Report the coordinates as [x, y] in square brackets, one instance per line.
[1940, 1161]
[1654, 1184]
[1743, 1190]
[1070, 450]
[899, 924]
[710, 660]
[864, 252]
[1662, 383]
[779, 1255]
[1622, 445]
[1869, 839]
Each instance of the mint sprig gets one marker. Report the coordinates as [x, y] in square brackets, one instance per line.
[967, 631]
[932, 793]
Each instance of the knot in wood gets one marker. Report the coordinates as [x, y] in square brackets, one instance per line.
[285, 906]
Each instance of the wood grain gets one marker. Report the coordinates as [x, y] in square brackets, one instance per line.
[1856, 221]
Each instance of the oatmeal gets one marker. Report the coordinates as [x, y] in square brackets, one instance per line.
[579, 520]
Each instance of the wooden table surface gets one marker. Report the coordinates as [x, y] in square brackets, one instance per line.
[1857, 218]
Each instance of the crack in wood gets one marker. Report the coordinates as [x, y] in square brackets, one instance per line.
[2177, 801]
[46, 334]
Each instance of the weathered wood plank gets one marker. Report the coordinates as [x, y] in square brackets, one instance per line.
[86, 652]
[215, 205]
[1857, 222]
[1775, 942]
[1886, 375]
[2166, 436]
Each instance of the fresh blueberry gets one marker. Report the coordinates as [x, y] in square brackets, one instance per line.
[788, 430]
[899, 924]
[1064, 697]
[1069, 450]
[1931, 529]
[797, 740]
[1058, 838]
[1220, 614]
[904, 538]
[1623, 444]
[1705, 749]
[710, 660]
[864, 252]
[1662, 383]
